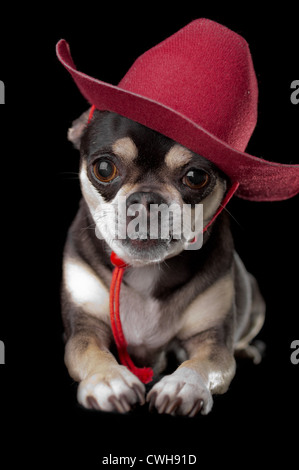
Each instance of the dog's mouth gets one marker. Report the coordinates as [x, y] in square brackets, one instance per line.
[144, 243]
[148, 249]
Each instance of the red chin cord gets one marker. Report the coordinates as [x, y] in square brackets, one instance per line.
[145, 374]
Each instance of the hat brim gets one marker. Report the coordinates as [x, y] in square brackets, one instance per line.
[259, 179]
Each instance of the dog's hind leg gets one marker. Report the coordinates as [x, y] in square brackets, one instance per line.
[255, 317]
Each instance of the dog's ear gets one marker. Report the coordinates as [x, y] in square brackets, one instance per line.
[75, 132]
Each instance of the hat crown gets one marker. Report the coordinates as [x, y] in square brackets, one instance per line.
[204, 72]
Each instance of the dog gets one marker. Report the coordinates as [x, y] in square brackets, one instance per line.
[200, 307]
[148, 318]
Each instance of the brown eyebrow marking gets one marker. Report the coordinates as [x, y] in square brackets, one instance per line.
[177, 156]
[125, 148]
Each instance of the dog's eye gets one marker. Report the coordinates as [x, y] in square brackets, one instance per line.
[196, 179]
[105, 170]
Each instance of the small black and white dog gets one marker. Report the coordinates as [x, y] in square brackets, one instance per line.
[201, 305]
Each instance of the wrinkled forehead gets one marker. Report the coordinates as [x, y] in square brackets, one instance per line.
[135, 144]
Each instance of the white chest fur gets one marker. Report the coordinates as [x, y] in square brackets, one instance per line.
[144, 321]
[142, 316]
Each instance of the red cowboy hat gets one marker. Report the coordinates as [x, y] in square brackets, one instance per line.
[199, 88]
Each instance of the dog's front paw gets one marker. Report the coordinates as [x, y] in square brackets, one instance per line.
[181, 393]
[119, 390]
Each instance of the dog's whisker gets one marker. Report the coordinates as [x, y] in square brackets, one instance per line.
[92, 226]
[230, 214]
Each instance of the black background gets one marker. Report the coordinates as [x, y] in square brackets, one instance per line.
[40, 421]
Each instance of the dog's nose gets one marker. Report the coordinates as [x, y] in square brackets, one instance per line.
[146, 198]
